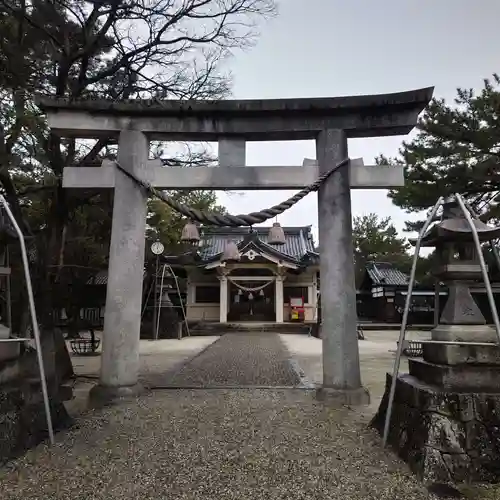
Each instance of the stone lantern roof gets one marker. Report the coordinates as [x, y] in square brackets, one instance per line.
[455, 227]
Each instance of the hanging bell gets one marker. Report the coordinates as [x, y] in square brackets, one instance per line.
[276, 235]
[190, 233]
[231, 253]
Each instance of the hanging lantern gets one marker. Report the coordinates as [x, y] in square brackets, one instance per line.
[261, 293]
[276, 235]
[190, 233]
[231, 253]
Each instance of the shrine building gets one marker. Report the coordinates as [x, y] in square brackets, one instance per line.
[252, 274]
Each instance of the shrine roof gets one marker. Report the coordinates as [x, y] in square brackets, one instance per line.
[298, 241]
[384, 273]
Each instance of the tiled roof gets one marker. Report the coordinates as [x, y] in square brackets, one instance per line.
[384, 273]
[298, 240]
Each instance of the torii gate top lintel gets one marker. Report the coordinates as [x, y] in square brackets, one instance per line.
[268, 119]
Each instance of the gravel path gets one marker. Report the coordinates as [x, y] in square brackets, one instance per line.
[217, 445]
[238, 360]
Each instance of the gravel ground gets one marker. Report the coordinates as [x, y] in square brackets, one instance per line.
[377, 355]
[238, 360]
[221, 443]
[214, 444]
[155, 356]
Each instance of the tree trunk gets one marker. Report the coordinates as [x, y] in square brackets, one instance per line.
[55, 348]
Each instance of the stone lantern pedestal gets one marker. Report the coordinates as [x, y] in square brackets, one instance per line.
[445, 420]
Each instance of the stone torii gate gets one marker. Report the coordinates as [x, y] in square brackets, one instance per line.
[329, 121]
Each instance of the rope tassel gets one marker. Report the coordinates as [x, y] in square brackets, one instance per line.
[250, 219]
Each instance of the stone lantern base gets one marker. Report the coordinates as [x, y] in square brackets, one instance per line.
[446, 416]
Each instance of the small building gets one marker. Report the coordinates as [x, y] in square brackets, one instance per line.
[382, 295]
[261, 285]
[379, 291]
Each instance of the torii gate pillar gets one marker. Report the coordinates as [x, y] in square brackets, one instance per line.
[122, 317]
[341, 369]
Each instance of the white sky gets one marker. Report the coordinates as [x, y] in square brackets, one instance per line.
[327, 48]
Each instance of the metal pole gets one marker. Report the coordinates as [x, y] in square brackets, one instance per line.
[405, 320]
[494, 249]
[34, 320]
[180, 298]
[482, 263]
[155, 296]
[145, 306]
[437, 289]
[159, 302]
[8, 291]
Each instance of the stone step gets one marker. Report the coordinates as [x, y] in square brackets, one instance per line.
[220, 328]
[474, 378]
[461, 353]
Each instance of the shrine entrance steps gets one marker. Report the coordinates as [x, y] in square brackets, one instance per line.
[213, 328]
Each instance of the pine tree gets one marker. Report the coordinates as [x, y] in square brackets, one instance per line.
[457, 149]
[376, 239]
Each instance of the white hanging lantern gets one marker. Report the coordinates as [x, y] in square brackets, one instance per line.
[261, 293]
[231, 253]
[276, 235]
[190, 233]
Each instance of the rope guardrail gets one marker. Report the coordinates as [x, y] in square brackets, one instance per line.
[229, 220]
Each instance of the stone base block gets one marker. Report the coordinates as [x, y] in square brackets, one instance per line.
[444, 436]
[453, 354]
[343, 397]
[482, 378]
[23, 421]
[464, 333]
[101, 395]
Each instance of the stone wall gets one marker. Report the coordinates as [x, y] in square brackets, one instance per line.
[22, 418]
[22, 415]
[443, 436]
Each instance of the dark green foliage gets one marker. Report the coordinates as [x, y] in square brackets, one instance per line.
[457, 149]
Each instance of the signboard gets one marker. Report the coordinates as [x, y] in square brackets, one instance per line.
[296, 302]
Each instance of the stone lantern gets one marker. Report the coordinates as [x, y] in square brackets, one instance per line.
[446, 410]
[457, 265]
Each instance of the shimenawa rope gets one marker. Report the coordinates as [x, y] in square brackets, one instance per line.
[251, 289]
[229, 220]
